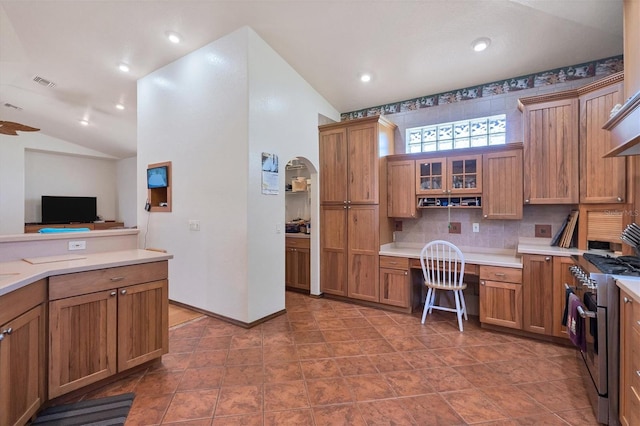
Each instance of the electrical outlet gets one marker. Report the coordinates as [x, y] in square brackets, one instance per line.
[77, 245]
[397, 225]
[194, 225]
[454, 227]
[476, 227]
[543, 231]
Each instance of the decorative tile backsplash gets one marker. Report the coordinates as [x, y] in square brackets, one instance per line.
[601, 67]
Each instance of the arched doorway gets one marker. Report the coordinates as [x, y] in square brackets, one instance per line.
[302, 213]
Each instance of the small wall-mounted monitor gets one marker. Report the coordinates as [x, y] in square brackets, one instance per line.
[157, 177]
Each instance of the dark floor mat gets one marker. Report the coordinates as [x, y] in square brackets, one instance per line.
[107, 411]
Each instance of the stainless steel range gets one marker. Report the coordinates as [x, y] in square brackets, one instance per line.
[597, 289]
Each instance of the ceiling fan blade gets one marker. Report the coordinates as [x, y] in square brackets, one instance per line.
[11, 128]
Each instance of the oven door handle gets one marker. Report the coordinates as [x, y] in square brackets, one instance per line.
[586, 314]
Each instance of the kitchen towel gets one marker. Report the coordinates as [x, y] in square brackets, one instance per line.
[575, 323]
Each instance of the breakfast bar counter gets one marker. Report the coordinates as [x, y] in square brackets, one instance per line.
[19, 273]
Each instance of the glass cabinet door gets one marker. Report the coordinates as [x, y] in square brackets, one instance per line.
[431, 176]
[465, 174]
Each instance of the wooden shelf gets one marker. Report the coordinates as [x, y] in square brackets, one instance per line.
[160, 198]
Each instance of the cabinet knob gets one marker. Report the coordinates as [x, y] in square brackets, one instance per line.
[547, 259]
[482, 283]
[619, 199]
[113, 293]
[628, 300]
[638, 373]
[123, 291]
[526, 201]
[406, 273]
[486, 216]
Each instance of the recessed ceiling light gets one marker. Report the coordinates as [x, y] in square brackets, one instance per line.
[365, 78]
[123, 67]
[84, 122]
[481, 44]
[120, 107]
[173, 37]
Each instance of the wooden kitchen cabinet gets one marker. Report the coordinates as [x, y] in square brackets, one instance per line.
[629, 359]
[501, 296]
[297, 263]
[401, 189]
[395, 281]
[349, 261]
[602, 180]
[353, 179]
[561, 276]
[460, 174]
[502, 184]
[22, 353]
[105, 321]
[551, 162]
[537, 286]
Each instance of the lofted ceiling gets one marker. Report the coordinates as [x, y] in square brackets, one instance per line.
[411, 48]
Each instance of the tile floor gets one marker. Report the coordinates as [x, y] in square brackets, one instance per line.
[332, 363]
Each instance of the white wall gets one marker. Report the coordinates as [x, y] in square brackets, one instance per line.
[212, 113]
[13, 170]
[126, 185]
[58, 174]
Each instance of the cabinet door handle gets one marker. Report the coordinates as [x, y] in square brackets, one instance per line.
[113, 293]
[406, 273]
[482, 283]
[8, 331]
[500, 274]
[486, 216]
[619, 199]
[628, 300]
[114, 279]
[638, 373]
[547, 259]
[123, 291]
[526, 201]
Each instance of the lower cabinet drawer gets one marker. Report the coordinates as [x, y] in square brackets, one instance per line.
[497, 273]
[75, 284]
[394, 262]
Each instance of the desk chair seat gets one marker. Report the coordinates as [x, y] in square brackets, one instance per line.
[443, 269]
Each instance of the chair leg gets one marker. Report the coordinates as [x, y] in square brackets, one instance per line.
[464, 305]
[432, 303]
[427, 304]
[458, 308]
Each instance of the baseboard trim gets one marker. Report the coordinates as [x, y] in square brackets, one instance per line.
[230, 320]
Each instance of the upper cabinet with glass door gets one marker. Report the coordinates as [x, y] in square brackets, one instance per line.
[461, 174]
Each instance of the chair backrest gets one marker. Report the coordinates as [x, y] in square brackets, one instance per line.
[442, 264]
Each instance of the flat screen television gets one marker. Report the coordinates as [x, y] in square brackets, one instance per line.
[62, 209]
[157, 177]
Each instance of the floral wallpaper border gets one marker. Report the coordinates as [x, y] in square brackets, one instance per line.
[600, 67]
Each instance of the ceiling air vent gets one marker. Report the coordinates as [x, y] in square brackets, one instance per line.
[43, 81]
[8, 105]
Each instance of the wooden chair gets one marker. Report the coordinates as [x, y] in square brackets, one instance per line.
[443, 269]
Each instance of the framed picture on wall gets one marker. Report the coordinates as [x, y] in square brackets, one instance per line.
[269, 173]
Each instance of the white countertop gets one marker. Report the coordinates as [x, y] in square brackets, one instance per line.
[17, 274]
[478, 256]
[631, 286]
[35, 236]
[542, 246]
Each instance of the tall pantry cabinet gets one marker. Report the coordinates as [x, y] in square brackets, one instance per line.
[353, 221]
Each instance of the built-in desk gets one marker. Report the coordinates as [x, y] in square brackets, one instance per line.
[477, 264]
